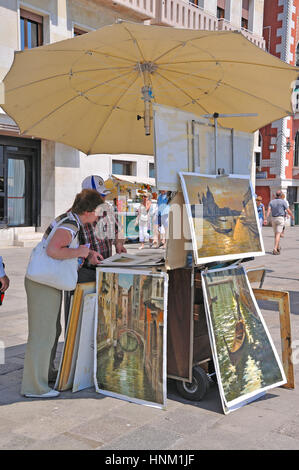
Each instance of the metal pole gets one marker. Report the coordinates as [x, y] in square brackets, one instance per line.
[216, 138]
[215, 116]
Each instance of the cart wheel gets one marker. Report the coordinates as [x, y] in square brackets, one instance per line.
[196, 390]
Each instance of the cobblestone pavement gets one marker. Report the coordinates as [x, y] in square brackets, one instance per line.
[87, 420]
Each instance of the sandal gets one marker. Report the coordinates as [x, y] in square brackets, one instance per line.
[275, 252]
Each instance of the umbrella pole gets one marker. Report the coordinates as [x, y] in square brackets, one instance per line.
[147, 94]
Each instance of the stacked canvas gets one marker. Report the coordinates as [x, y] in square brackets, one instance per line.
[77, 338]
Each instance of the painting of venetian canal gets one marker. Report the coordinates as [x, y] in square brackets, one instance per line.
[246, 361]
[222, 216]
[130, 356]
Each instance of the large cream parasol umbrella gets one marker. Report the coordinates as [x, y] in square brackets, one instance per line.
[95, 92]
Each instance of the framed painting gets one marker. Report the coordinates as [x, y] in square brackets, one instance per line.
[245, 359]
[130, 335]
[222, 217]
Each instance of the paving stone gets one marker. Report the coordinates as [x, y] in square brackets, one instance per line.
[65, 441]
[105, 428]
[144, 438]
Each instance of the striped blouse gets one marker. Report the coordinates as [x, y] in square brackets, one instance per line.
[71, 223]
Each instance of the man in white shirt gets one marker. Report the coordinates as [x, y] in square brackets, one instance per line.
[4, 280]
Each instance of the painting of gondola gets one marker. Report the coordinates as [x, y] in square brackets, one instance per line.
[222, 217]
[130, 335]
[245, 358]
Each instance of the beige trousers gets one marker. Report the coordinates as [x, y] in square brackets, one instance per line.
[44, 306]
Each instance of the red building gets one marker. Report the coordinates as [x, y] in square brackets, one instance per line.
[277, 164]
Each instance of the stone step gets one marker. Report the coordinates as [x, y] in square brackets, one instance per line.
[28, 236]
[27, 239]
[26, 243]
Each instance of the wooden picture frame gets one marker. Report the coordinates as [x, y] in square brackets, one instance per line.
[223, 226]
[68, 359]
[282, 298]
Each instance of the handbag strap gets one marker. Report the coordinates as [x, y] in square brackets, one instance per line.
[60, 219]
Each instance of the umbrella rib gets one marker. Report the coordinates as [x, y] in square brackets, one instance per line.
[85, 51]
[182, 91]
[232, 87]
[64, 75]
[183, 43]
[69, 101]
[244, 92]
[111, 110]
[192, 75]
[135, 42]
[229, 61]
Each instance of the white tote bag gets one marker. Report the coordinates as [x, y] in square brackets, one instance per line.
[60, 274]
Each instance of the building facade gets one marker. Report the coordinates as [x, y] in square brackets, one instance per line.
[277, 164]
[38, 178]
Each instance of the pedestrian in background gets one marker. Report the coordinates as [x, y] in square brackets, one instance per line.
[154, 221]
[163, 213]
[4, 280]
[143, 219]
[260, 210]
[286, 215]
[278, 208]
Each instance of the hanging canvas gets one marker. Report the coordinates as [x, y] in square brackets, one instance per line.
[222, 216]
[130, 335]
[245, 359]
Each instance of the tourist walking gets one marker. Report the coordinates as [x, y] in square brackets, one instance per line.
[4, 280]
[278, 208]
[260, 211]
[143, 219]
[286, 215]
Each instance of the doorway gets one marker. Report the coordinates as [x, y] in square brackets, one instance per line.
[20, 192]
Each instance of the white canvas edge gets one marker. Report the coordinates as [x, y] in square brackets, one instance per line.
[64, 344]
[211, 259]
[112, 260]
[75, 387]
[117, 395]
[238, 402]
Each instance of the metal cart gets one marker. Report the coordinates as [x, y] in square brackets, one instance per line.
[189, 356]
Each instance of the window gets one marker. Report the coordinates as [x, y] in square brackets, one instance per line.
[245, 10]
[19, 182]
[296, 154]
[297, 55]
[151, 170]
[257, 160]
[78, 31]
[122, 168]
[220, 9]
[31, 30]
[220, 13]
